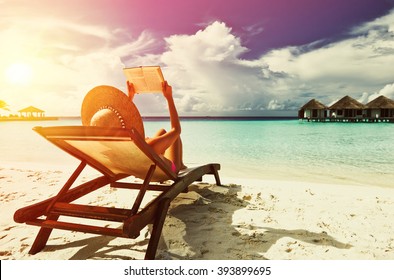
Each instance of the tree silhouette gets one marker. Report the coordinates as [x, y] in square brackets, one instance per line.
[3, 105]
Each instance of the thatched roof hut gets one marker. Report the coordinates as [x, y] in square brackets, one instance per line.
[382, 102]
[312, 109]
[347, 102]
[314, 104]
[30, 111]
[381, 107]
[347, 107]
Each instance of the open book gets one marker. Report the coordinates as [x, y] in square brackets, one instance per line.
[146, 79]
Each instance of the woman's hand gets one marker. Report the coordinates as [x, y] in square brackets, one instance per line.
[131, 90]
[167, 90]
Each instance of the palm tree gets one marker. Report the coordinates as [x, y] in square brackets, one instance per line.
[3, 105]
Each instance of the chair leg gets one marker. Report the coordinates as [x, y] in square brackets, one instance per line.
[44, 233]
[217, 178]
[67, 185]
[157, 228]
[42, 237]
[143, 190]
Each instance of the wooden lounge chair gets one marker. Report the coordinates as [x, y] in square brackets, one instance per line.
[117, 154]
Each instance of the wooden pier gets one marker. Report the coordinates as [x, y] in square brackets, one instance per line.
[349, 120]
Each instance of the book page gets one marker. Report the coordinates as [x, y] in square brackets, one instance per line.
[146, 79]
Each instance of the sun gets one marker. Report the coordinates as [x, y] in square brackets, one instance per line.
[19, 73]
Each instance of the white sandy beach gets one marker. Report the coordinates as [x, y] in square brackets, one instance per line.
[244, 219]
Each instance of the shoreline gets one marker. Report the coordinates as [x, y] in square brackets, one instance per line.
[243, 219]
[68, 164]
[316, 176]
[15, 119]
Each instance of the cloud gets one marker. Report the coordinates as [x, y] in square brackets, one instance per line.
[382, 23]
[206, 70]
[67, 59]
[209, 77]
[274, 105]
[361, 63]
[254, 29]
[387, 90]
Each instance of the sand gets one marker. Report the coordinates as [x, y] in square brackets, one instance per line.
[241, 220]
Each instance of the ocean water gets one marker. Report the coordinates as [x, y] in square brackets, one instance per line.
[347, 153]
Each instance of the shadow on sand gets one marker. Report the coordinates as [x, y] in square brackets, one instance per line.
[209, 236]
[200, 226]
[100, 247]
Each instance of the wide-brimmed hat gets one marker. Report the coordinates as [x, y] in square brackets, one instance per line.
[110, 107]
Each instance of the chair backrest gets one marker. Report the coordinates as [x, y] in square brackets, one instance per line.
[112, 151]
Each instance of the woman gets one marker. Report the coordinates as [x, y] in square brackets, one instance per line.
[167, 144]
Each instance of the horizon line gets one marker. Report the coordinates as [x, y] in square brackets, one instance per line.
[205, 117]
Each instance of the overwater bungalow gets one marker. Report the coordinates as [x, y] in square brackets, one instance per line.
[29, 114]
[347, 108]
[313, 110]
[381, 108]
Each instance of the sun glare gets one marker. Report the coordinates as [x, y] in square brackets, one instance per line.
[19, 74]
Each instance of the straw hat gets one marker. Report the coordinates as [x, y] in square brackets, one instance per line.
[108, 106]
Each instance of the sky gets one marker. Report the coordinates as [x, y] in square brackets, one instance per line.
[222, 57]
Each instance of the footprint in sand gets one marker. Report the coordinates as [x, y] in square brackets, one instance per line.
[10, 196]
[9, 228]
[53, 183]
[5, 253]
[23, 247]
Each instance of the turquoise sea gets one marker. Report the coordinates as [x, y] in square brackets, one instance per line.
[348, 153]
